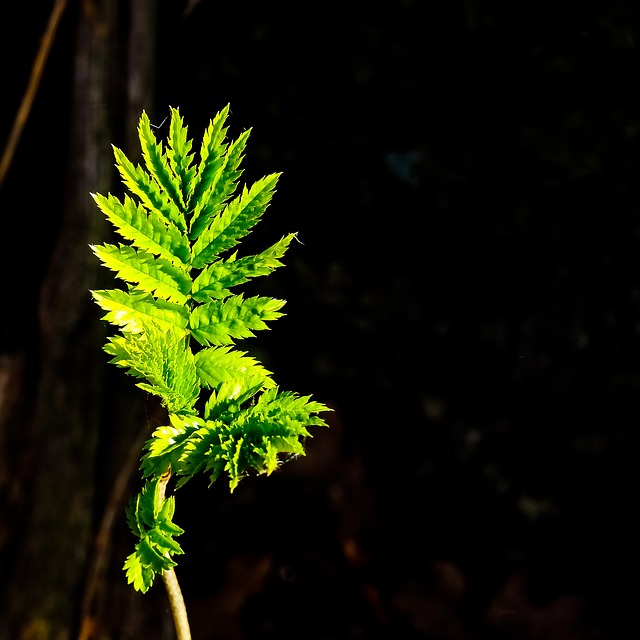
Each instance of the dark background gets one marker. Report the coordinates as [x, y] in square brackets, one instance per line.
[463, 177]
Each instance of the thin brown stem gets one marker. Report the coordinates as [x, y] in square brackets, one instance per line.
[32, 87]
[176, 601]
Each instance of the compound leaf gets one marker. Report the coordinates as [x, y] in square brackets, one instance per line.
[182, 217]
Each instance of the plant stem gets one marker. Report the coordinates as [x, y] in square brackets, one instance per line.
[176, 601]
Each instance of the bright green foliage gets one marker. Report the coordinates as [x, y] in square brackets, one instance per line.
[178, 321]
[149, 516]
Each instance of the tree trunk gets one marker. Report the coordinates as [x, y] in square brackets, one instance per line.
[73, 412]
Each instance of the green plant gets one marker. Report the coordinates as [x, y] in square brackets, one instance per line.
[178, 322]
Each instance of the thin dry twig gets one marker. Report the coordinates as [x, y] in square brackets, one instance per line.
[32, 88]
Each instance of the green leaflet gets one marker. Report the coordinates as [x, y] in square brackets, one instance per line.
[162, 358]
[234, 222]
[240, 441]
[177, 322]
[158, 167]
[216, 280]
[216, 365]
[148, 229]
[180, 156]
[212, 159]
[130, 310]
[224, 321]
[147, 189]
[149, 516]
[166, 446]
[219, 173]
[147, 273]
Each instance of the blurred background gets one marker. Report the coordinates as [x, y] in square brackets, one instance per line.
[463, 177]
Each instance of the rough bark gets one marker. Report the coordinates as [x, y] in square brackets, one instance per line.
[41, 601]
[110, 608]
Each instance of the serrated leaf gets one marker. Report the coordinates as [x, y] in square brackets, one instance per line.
[165, 440]
[180, 156]
[151, 194]
[222, 322]
[229, 396]
[234, 222]
[149, 515]
[133, 516]
[150, 556]
[196, 451]
[255, 438]
[161, 357]
[164, 541]
[212, 160]
[221, 185]
[215, 281]
[147, 273]
[171, 528]
[159, 169]
[146, 229]
[214, 365]
[131, 311]
[166, 445]
[140, 576]
[145, 507]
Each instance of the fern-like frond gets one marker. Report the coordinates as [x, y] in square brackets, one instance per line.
[117, 347]
[182, 216]
[147, 273]
[276, 424]
[234, 222]
[222, 322]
